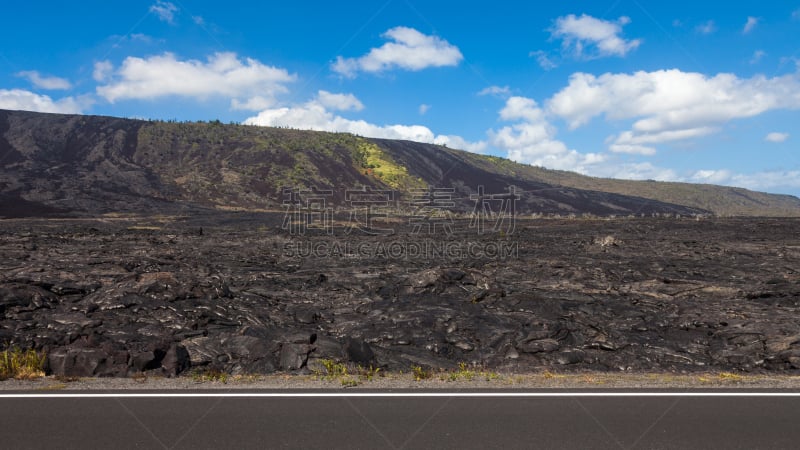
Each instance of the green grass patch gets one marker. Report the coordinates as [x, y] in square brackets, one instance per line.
[380, 165]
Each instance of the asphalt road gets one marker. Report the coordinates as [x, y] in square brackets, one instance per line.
[120, 420]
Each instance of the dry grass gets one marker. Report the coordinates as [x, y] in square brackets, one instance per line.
[547, 375]
[728, 376]
[21, 364]
[210, 375]
[465, 373]
[139, 377]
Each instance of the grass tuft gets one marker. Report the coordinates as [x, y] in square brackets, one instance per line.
[338, 371]
[368, 373]
[21, 364]
[420, 373]
[213, 375]
[467, 374]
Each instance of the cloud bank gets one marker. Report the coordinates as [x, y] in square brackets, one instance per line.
[669, 105]
[18, 99]
[249, 84]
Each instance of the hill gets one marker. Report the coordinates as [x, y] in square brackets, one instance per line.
[74, 165]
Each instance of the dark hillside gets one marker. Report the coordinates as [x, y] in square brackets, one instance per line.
[54, 164]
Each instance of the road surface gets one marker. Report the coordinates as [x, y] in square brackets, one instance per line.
[400, 419]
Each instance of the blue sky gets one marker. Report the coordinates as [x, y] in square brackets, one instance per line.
[686, 91]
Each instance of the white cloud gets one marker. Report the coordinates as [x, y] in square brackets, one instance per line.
[45, 82]
[102, 71]
[706, 28]
[796, 14]
[18, 99]
[500, 91]
[165, 11]
[532, 138]
[670, 105]
[521, 108]
[578, 33]
[767, 180]
[340, 102]
[409, 50]
[314, 115]
[750, 24]
[776, 137]
[635, 171]
[632, 149]
[757, 55]
[458, 142]
[613, 168]
[543, 60]
[198, 20]
[711, 176]
[757, 181]
[248, 83]
[423, 108]
[638, 144]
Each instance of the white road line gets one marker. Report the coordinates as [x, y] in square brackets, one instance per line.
[90, 395]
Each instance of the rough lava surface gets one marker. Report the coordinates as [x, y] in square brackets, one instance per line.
[231, 292]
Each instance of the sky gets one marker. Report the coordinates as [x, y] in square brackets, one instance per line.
[673, 91]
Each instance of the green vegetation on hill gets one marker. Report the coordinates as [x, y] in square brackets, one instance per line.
[240, 165]
[224, 164]
[378, 163]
